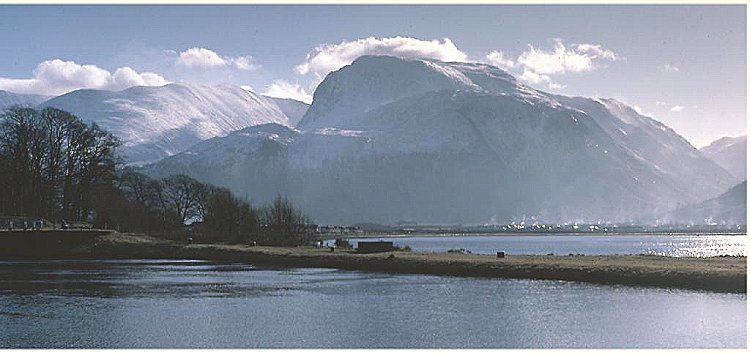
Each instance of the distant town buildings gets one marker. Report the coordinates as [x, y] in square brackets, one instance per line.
[337, 230]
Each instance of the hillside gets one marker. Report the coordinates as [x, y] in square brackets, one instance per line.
[9, 99]
[156, 122]
[388, 138]
[729, 208]
[731, 154]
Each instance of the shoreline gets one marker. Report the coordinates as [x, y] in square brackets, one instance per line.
[515, 234]
[716, 274]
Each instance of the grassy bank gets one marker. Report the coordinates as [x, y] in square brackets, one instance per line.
[720, 274]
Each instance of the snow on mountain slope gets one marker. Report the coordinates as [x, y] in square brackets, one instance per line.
[155, 122]
[388, 139]
[9, 99]
[252, 153]
[222, 152]
[730, 153]
[293, 109]
[647, 139]
[371, 81]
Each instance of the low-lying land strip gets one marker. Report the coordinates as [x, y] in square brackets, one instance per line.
[720, 274]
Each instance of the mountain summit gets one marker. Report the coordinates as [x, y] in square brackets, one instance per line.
[389, 138]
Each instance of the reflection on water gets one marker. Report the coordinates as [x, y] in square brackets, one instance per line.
[664, 245]
[163, 304]
[147, 279]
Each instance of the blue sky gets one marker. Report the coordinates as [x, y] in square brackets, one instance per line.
[683, 65]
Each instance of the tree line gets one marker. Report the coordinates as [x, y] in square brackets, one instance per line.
[51, 162]
[213, 214]
[57, 167]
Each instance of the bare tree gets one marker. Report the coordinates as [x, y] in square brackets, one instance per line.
[51, 162]
[229, 218]
[284, 225]
[183, 194]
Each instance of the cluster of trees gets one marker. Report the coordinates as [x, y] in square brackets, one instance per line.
[52, 163]
[163, 206]
[57, 167]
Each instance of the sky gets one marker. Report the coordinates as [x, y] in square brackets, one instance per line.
[682, 65]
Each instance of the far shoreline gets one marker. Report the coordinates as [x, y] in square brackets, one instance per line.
[583, 234]
[723, 274]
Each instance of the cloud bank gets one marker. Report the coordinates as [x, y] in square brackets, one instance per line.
[284, 89]
[534, 66]
[499, 59]
[538, 66]
[55, 77]
[206, 58]
[330, 57]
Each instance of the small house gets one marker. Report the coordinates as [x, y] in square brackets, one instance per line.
[368, 247]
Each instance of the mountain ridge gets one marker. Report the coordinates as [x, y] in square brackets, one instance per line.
[390, 138]
[729, 208]
[730, 153]
[155, 122]
[9, 99]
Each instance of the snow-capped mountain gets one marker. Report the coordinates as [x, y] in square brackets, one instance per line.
[293, 109]
[729, 208]
[730, 153]
[155, 122]
[254, 153]
[9, 99]
[388, 138]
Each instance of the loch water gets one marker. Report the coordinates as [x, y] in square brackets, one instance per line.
[200, 304]
[692, 245]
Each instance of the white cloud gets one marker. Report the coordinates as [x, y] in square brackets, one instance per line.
[499, 59]
[641, 111]
[329, 57]
[660, 103]
[537, 66]
[284, 89]
[669, 68]
[533, 66]
[557, 86]
[535, 78]
[206, 58]
[561, 60]
[54, 77]
[200, 57]
[245, 63]
[594, 51]
[125, 77]
[677, 108]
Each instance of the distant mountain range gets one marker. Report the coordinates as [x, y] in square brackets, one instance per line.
[388, 139]
[156, 122]
[731, 154]
[728, 208]
[293, 109]
[9, 99]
